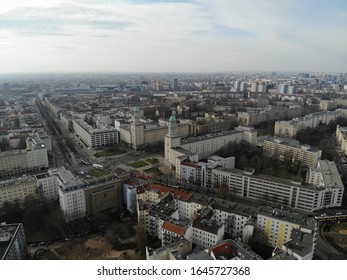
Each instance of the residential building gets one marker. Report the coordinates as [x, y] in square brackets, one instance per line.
[290, 128]
[275, 228]
[47, 185]
[291, 150]
[173, 230]
[71, 195]
[176, 250]
[33, 158]
[12, 242]
[17, 189]
[206, 231]
[100, 136]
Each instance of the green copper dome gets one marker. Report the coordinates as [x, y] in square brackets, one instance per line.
[137, 109]
[172, 118]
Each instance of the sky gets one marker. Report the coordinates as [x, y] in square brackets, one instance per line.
[173, 36]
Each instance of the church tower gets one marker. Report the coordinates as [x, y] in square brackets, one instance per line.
[172, 139]
[137, 130]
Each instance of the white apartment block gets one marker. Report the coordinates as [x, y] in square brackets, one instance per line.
[288, 149]
[100, 136]
[323, 187]
[71, 195]
[275, 228]
[47, 185]
[33, 158]
[290, 128]
[17, 189]
[233, 216]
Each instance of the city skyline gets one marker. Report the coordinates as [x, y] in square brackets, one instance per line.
[172, 36]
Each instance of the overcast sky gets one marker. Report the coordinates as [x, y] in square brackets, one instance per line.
[173, 36]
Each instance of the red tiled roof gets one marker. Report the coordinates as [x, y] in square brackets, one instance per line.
[178, 194]
[187, 163]
[222, 250]
[174, 228]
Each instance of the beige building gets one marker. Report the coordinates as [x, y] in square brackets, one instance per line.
[17, 189]
[33, 158]
[290, 128]
[285, 149]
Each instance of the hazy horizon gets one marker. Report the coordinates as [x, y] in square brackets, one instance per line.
[194, 36]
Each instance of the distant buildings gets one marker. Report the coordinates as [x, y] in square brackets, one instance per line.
[201, 147]
[12, 242]
[290, 128]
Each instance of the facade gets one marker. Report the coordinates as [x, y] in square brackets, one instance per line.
[103, 194]
[33, 158]
[71, 195]
[101, 136]
[267, 114]
[310, 196]
[47, 185]
[206, 231]
[291, 150]
[12, 242]
[290, 128]
[17, 189]
[277, 227]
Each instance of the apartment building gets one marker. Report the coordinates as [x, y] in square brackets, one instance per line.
[290, 128]
[47, 184]
[177, 250]
[17, 189]
[33, 158]
[173, 230]
[12, 242]
[284, 229]
[288, 149]
[194, 148]
[206, 231]
[307, 196]
[100, 136]
[71, 195]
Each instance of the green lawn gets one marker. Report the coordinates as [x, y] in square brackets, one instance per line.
[138, 164]
[98, 172]
[152, 160]
[154, 171]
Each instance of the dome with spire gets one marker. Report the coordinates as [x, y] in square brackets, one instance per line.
[173, 117]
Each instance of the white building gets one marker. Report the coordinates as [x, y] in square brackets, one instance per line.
[100, 136]
[207, 232]
[33, 158]
[47, 185]
[71, 195]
